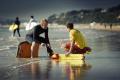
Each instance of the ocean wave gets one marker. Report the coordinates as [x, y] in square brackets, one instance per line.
[59, 40]
[95, 34]
[20, 39]
[60, 29]
[24, 64]
[8, 47]
[1, 39]
[3, 49]
[11, 47]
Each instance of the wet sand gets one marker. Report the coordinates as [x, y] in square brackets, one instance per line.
[101, 64]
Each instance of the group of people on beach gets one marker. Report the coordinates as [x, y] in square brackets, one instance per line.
[111, 26]
[77, 43]
[17, 22]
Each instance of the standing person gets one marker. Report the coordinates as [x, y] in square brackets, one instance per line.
[77, 44]
[34, 37]
[32, 23]
[17, 22]
[111, 26]
[32, 19]
[105, 25]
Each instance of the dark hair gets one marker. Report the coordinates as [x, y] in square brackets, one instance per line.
[70, 25]
[32, 16]
[17, 18]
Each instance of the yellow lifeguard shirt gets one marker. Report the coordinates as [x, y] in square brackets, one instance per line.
[76, 35]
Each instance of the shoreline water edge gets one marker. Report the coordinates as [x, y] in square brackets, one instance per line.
[96, 26]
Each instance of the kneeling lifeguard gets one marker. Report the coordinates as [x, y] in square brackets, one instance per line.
[77, 44]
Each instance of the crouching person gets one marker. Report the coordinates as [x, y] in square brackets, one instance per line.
[77, 44]
[35, 39]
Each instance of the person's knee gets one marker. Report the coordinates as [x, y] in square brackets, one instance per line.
[34, 49]
[34, 45]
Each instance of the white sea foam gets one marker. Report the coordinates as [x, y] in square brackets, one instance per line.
[60, 40]
[19, 39]
[22, 65]
[11, 46]
[1, 39]
[6, 48]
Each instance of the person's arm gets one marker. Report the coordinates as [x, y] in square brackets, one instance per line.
[72, 42]
[47, 38]
[35, 33]
[71, 47]
[19, 22]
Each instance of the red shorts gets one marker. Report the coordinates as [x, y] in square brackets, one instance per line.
[76, 49]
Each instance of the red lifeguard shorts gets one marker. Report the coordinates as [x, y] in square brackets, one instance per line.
[76, 49]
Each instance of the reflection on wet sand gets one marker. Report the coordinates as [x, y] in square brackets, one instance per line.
[75, 69]
[48, 69]
[35, 71]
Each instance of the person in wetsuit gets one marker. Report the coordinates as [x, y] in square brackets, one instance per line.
[17, 22]
[34, 37]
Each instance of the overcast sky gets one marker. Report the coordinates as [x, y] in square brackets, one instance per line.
[44, 8]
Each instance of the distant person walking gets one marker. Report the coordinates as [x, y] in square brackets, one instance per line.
[32, 19]
[105, 25]
[17, 22]
[32, 23]
[111, 26]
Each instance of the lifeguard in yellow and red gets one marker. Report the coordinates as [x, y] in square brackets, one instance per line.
[77, 43]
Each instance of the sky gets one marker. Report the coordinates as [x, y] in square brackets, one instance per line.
[44, 8]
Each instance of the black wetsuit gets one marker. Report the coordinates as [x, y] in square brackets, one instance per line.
[17, 22]
[35, 35]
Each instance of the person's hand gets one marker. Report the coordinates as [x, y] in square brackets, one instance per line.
[67, 54]
[62, 46]
[42, 44]
[48, 45]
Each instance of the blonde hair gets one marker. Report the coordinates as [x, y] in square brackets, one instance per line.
[44, 20]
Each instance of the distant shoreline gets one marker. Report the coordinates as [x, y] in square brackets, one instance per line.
[96, 26]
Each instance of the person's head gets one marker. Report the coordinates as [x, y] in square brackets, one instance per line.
[32, 16]
[70, 26]
[17, 18]
[44, 23]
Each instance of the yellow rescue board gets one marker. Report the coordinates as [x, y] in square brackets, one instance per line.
[13, 27]
[71, 57]
[73, 62]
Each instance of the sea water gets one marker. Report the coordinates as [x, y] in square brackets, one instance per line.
[102, 64]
